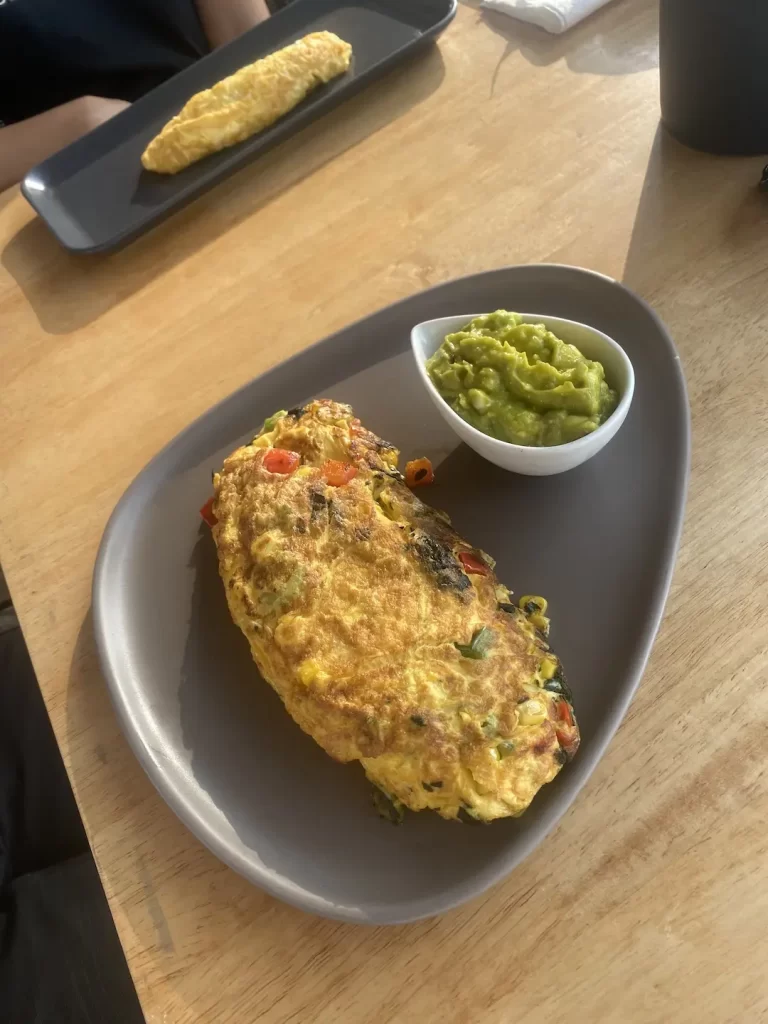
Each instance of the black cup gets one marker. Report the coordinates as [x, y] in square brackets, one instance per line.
[714, 73]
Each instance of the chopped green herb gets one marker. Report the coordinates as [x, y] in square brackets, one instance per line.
[482, 641]
[557, 684]
[284, 515]
[505, 749]
[504, 606]
[430, 786]
[271, 422]
[490, 725]
[439, 560]
[418, 720]
[490, 562]
[271, 602]
[372, 725]
[388, 807]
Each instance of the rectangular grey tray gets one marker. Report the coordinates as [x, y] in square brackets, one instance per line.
[95, 196]
[599, 542]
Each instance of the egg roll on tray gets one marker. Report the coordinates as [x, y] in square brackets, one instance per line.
[247, 102]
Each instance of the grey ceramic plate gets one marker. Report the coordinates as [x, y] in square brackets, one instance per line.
[94, 195]
[599, 542]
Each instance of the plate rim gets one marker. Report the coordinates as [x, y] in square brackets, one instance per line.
[417, 910]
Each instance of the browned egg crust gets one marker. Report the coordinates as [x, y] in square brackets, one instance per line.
[362, 617]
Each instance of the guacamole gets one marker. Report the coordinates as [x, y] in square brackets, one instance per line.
[520, 383]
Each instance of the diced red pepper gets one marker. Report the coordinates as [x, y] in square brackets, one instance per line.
[278, 460]
[564, 712]
[568, 740]
[473, 566]
[419, 472]
[338, 473]
[207, 513]
[566, 732]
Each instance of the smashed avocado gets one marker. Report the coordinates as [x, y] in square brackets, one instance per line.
[520, 383]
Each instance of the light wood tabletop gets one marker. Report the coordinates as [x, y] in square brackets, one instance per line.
[501, 145]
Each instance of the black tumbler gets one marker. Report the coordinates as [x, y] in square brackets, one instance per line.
[714, 73]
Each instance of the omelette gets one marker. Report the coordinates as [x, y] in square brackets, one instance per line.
[247, 102]
[387, 636]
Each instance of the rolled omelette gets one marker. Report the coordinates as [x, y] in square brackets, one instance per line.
[247, 102]
[387, 636]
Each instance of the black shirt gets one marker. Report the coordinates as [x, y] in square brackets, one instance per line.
[52, 51]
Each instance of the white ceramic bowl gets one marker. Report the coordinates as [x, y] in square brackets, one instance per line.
[427, 337]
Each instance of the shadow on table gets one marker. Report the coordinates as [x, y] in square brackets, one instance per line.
[688, 195]
[7, 196]
[601, 45]
[697, 255]
[69, 291]
[169, 891]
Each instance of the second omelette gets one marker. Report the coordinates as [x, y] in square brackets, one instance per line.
[387, 636]
[247, 102]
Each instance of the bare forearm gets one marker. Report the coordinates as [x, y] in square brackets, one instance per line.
[224, 20]
[25, 144]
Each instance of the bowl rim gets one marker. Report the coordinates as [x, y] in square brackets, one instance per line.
[587, 441]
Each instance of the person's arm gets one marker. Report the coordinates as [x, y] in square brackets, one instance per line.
[224, 20]
[26, 143]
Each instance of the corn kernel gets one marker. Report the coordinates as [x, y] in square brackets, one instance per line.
[309, 671]
[532, 712]
[548, 668]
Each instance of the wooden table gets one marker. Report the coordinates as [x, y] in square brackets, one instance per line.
[649, 902]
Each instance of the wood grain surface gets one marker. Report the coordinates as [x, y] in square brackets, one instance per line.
[650, 900]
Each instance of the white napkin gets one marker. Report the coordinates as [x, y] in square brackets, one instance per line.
[553, 15]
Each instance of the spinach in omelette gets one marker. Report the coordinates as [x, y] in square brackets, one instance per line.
[387, 636]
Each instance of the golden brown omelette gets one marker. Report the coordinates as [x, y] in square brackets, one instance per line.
[247, 102]
[387, 636]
